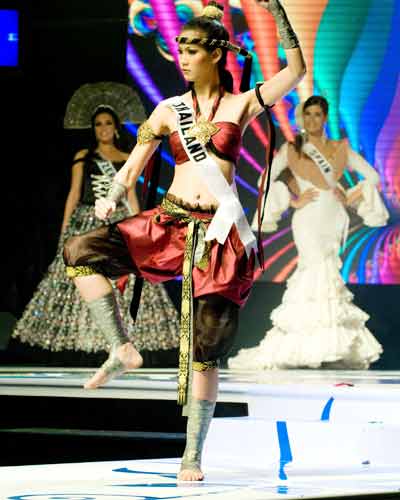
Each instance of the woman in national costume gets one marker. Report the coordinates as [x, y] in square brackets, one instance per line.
[199, 230]
[56, 317]
[317, 324]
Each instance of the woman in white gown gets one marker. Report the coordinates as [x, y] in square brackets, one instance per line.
[317, 324]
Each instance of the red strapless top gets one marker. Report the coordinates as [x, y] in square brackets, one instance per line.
[227, 141]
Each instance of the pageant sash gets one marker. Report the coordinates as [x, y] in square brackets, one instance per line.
[102, 183]
[328, 173]
[230, 210]
[322, 163]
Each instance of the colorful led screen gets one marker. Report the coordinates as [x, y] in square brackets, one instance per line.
[352, 54]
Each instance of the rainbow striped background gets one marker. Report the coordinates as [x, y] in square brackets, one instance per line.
[352, 51]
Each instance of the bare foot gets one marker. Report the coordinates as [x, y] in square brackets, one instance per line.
[190, 475]
[126, 357]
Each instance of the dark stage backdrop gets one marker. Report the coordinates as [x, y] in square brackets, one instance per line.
[63, 45]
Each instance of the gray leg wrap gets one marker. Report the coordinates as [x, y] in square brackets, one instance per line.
[105, 313]
[200, 415]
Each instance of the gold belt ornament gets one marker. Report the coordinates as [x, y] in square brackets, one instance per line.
[197, 253]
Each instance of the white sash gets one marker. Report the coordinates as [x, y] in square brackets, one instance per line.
[229, 210]
[102, 183]
[322, 163]
[328, 173]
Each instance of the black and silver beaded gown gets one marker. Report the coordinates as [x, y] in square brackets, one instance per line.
[56, 318]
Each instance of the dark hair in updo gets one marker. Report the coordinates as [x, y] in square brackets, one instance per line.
[212, 28]
[317, 100]
[314, 100]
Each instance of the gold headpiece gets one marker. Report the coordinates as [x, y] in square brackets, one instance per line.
[213, 11]
[213, 42]
[121, 98]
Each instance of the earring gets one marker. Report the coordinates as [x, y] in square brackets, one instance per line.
[116, 133]
[304, 135]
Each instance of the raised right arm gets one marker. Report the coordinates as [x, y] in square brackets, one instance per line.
[287, 78]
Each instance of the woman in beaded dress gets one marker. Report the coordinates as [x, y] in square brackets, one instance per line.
[56, 318]
[317, 324]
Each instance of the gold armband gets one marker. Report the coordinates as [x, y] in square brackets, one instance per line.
[79, 271]
[204, 366]
[146, 134]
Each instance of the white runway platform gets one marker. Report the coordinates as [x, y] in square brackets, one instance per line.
[309, 434]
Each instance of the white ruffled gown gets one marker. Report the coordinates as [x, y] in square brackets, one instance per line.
[317, 324]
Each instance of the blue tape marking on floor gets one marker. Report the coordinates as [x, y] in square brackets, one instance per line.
[284, 446]
[161, 474]
[326, 412]
[175, 485]
[282, 490]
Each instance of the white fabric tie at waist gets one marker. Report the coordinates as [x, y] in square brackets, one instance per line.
[228, 213]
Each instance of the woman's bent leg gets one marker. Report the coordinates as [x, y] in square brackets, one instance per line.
[96, 291]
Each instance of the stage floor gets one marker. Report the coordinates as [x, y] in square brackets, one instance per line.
[235, 386]
[308, 434]
[151, 480]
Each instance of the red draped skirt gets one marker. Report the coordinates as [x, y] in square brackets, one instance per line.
[156, 244]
